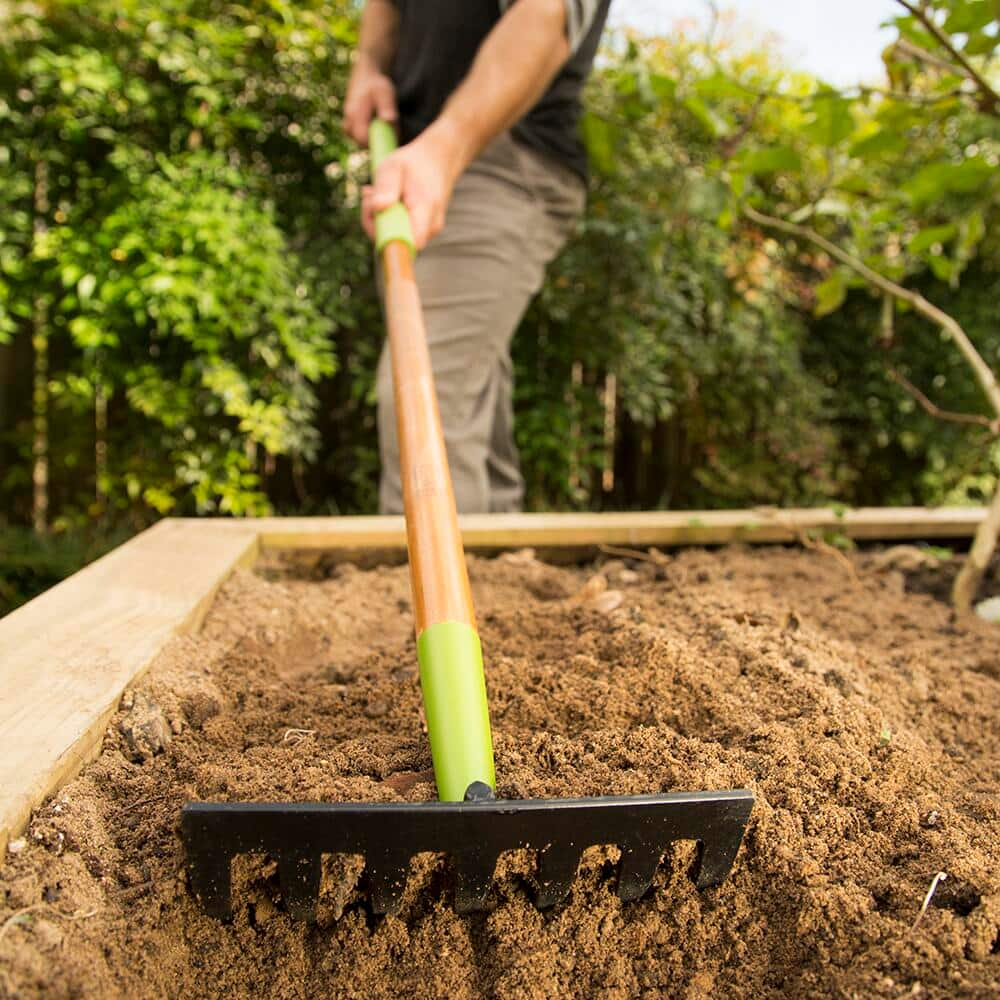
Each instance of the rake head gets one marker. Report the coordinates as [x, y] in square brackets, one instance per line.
[472, 833]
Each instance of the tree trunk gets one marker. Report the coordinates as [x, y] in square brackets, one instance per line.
[40, 423]
[40, 398]
[100, 442]
[963, 592]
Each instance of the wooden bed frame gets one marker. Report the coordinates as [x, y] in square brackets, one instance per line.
[67, 656]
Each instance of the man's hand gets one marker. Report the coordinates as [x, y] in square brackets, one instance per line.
[370, 93]
[422, 175]
[514, 65]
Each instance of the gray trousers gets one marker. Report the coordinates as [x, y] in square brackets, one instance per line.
[510, 214]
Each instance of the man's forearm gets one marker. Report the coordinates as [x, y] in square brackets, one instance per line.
[378, 34]
[513, 67]
[512, 70]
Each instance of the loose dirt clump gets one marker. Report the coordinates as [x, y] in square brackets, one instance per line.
[864, 716]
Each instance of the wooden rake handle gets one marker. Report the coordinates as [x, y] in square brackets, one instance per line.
[451, 666]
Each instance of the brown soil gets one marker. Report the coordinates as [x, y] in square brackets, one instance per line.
[863, 716]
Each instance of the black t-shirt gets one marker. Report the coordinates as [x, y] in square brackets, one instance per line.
[438, 41]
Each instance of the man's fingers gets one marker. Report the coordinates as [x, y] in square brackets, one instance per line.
[357, 114]
[388, 187]
[367, 212]
[420, 221]
[368, 96]
[385, 101]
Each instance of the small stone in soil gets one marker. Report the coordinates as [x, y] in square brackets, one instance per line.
[145, 729]
[596, 585]
[376, 709]
[607, 602]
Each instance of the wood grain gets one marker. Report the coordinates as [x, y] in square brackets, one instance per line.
[66, 656]
[438, 573]
[664, 528]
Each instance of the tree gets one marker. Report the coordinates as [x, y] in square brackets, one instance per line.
[873, 187]
[157, 161]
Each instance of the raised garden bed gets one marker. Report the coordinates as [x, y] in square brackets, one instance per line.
[843, 691]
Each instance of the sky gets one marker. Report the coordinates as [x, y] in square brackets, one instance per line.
[839, 41]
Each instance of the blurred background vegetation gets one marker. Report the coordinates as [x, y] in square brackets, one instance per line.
[189, 324]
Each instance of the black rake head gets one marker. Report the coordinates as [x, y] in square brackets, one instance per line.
[473, 834]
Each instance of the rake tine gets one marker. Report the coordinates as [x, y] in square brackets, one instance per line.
[299, 875]
[211, 879]
[638, 866]
[473, 880]
[717, 853]
[556, 872]
[387, 875]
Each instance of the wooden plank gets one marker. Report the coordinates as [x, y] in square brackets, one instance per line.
[66, 656]
[662, 528]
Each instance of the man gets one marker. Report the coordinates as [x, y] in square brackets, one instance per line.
[486, 97]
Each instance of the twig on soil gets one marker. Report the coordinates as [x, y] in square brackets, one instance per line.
[654, 556]
[18, 915]
[940, 877]
[297, 735]
[818, 545]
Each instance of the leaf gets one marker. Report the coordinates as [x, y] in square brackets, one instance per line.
[771, 160]
[971, 230]
[71, 274]
[663, 87]
[598, 137]
[928, 237]
[878, 144]
[835, 207]
[980, 44]
[939, 179]
[85, 287]
[830, 294]
[970, 16]
[161, 283]
[718, 86]
[87, 334]
[943, 268]
[712, 122]
[706, 197]
[831, 122]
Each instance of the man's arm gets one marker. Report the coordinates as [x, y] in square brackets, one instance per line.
[370, 91]
[514, 66]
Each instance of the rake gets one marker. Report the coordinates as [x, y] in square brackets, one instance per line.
[469, 824]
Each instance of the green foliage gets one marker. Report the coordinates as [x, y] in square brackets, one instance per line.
[30, 563]
[905, 180]
[160, 161]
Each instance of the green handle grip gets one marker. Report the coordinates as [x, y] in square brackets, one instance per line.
[394, 222]
[458, 718]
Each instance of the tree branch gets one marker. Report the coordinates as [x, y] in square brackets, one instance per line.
[936, 411]
[991, 96]
[919, 52]
[977, 562]
[984, 374]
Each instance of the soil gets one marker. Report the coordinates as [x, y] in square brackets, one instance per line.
[842, 691]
